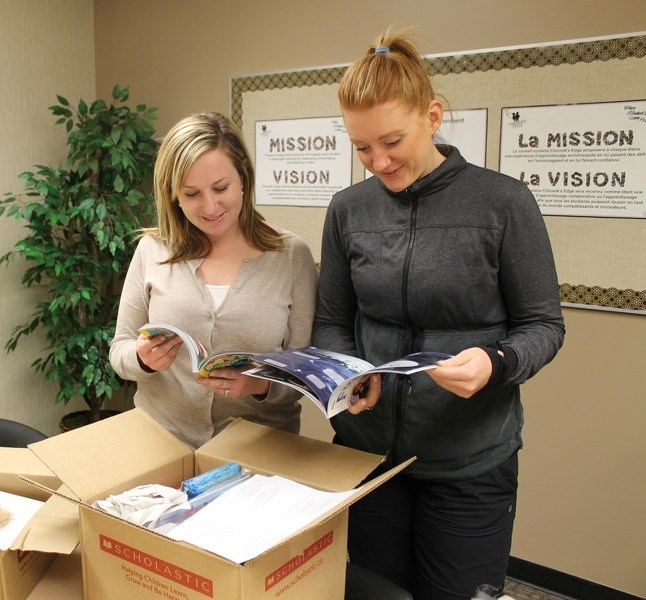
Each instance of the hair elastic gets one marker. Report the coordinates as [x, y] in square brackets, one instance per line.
[382, 49]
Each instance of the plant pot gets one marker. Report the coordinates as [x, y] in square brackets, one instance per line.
[77, 419]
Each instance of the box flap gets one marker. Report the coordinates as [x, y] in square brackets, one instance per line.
[54, 528]
[270, 451]
[21, 461]
[362, 491]
[367, 487]
[106, 455]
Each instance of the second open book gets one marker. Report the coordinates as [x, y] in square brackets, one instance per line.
[332, 380]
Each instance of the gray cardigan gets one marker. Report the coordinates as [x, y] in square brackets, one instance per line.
[269, 307]
[460, 259]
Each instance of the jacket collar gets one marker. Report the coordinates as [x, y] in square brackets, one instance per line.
[438, 178]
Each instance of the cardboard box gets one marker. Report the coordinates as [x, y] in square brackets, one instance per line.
[53, 530]
[63, 580]
[122, 560]
[16, 462]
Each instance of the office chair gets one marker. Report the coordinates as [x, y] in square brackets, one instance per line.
[362, 584]
[17, 435]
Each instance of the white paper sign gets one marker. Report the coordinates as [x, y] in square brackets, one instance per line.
[580, 159]
[302, 162]
[467, 131]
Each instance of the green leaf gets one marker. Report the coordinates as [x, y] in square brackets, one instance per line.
[98, 106]
[115, 135]
[60, 110]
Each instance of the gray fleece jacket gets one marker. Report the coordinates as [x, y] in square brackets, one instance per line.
[460, 259]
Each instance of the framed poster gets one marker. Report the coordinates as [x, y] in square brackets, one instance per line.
[301, 162]
[582, 160]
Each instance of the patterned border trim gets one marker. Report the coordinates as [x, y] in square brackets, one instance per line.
[626, 300]
[273, 81]
[541, 56]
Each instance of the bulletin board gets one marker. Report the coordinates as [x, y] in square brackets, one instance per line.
[601, 262]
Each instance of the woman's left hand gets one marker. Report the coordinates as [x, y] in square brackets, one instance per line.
[464, 374]
[230, 382]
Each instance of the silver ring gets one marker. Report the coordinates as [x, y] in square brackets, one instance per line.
[369, 407]
[226, 392]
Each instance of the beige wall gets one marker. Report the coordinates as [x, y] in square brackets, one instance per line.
[46, 48]
[582, 483]
[180, 55]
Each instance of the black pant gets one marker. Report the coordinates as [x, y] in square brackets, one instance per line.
[440, 541]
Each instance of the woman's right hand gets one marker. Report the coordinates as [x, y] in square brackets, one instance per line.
[371, 398]
[158, 352]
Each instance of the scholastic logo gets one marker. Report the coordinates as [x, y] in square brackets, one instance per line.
[156, 565]
[299, 560]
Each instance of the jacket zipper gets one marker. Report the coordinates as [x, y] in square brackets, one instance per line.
[407, 259]
[400, 390]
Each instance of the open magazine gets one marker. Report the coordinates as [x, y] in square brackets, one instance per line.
[202, 362]
[332, 380]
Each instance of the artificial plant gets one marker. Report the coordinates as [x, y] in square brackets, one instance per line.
[81, 219]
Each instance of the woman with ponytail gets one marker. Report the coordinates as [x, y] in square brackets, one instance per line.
[433, 253]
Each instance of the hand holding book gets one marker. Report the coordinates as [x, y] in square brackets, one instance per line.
[157, 352]
[333, 381]
[202, 362]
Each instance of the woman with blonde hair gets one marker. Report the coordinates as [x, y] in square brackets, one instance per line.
[216, 269]
[433, 253]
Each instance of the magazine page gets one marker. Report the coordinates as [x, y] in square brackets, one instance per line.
[275, 374]
[225, 359]
[352, 389]
[196, 350]
[412, 363]
[321, 371]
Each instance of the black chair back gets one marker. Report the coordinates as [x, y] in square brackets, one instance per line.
[17, 435]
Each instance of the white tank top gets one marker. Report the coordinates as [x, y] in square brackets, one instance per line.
[218, 294]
